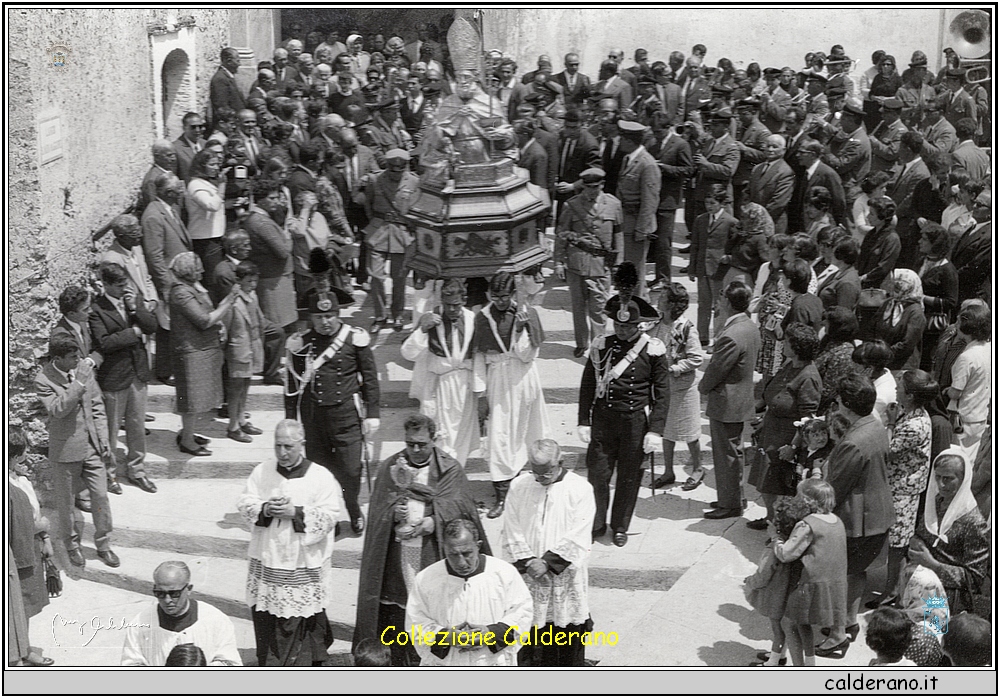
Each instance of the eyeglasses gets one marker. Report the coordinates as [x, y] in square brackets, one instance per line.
[417, 444]
[172, 593]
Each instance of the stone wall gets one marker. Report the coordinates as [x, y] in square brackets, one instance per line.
[103, 98]
[769, 36]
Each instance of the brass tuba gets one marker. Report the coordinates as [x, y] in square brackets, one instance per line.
[970, 34]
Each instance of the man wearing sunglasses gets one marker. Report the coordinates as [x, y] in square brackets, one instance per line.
[177, 619]
[190, 144]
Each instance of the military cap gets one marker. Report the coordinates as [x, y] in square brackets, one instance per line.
[722, 88]
[630, 127]
[771, 71]
[810, 75]
[636, 310]
[956, 73]
[750, 102]
[592, 175]
[327, 302]
[893, 104]
[722, 114]
[397, 154]
[837, 60]
[854, 106]
[645, 79]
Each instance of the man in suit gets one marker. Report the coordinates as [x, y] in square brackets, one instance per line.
[577, 151]
[164, 160]
[849, 152]
[669, 96]
[304, 175]
[265, 84]
[189, 144]
[223, 90]
[617, 56]
[913, 171]
[533, 111]
[939, 135]
[753, 136]
[973, 252]
[120, 324]
[250, 135]
[605, 129]
[708, 245]
[126, 251]
[576, 85]
[611, 85]
[284, 74]
[969, 155]
[857, 468]
[532, 155]
[412, 108]
[646, 103]
[674, 159]
[348, 169]
[728, 383]
[696, 93]
[774, 101]
[639, 193]
[716, 162]
[544, 64]
[163, 238]
[772, 182]
[78, 445]
[960, 103]
[885, 137]
[815, 173]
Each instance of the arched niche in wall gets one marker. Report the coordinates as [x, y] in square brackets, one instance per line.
[174, 70]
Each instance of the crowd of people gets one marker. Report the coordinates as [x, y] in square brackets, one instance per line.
[841, 240]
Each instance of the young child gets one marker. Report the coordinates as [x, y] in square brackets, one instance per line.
[370, 652]
[809, 448]
[888, 634]
[820, 597]
[767, 589]
[244, 350]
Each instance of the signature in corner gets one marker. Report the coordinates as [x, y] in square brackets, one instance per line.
[89, 628]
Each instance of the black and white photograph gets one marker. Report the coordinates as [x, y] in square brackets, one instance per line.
[578, 337]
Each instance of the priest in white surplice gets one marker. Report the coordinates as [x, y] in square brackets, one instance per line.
[508, 337]
[177, 619]
[441, 349]
[546, 534]
[477, 604]
[291, 506]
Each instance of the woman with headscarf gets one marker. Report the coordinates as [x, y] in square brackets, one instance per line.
[900, 322]
[907, 468]
[952, 539]
[196, 342]
[925, 646]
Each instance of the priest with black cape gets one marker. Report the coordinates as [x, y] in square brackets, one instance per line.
[417, 491]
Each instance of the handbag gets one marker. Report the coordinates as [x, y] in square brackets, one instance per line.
[53, 580]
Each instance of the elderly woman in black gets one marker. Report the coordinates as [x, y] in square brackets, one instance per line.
[840, 284]
[788, 396]
[939, 279]
[196, 343]
[880, 247]
[952, 538]
[900, 322]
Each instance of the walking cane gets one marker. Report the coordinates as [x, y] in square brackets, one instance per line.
[652, 473]
[367, 461]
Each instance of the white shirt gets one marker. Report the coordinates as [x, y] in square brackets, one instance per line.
[811, 170]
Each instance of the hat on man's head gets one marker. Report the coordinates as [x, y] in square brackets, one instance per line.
[750, 102]
[327, 302]
[319, 263]
[645, 79]
[810, 75]
[431, 89]
[593, 175]
[768, 72]
[631, 129]
[633, 310]
[956, 73]
[572, 117]
[893, 104]
[838, 60]
[721, 114]
[918, 60]
[854, 106]
[397, 155]
[722, 88]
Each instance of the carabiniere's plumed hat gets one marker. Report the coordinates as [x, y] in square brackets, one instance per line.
[627, 307]
[327, 301]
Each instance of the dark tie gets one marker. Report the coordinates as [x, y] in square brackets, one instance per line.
[568, 148]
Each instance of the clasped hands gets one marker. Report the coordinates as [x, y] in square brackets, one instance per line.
[279, 507]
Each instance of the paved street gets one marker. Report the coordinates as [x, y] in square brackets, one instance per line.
[673, 595]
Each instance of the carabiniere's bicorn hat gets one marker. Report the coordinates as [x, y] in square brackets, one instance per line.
[626, 307]
[328, 302]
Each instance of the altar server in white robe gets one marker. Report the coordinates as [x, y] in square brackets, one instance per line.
[441, 349]
[469, 609]
[508, 337]
[291, 505]
[177, 619]
[546, 534]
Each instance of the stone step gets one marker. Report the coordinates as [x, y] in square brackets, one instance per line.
[232, 459]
